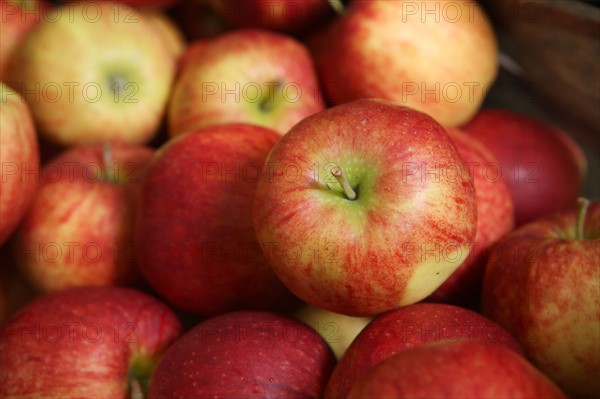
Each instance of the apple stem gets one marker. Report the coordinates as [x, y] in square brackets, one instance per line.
[337, 6]
[136, 389]
[107, 161]
[337, 172]
[583, 203]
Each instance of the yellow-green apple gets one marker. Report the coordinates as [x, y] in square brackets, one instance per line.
[495, 219]
[542, 283]
[17, 18]
[542, 165]
[403, 329]
[338, 330]
[195, 243]
[79, 227]
[19, 160]
[456, 370]
[365, 207]
[439, 57]
[245, 76]
[170, 33]
[289, 16]
[85, 342]
[245, 354]
[117, 89]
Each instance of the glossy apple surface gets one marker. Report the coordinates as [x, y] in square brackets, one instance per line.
[411, 222]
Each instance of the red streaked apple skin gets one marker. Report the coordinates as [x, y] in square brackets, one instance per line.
[82, 343]
[406, 328]
[543, 167]
[245, 354]
[409, 229]
[495, 219]
[456, 370]
[195, 242]
[235, 74]
[20, 157]
[79, 227]
[542, 285]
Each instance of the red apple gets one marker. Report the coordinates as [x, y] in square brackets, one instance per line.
[365, 207]
[20, 160]
[439, 57]
[79, 228]
[542, 165]
[17, 18]
[415, 325]
[244, 355]
[542, 283]
[455, 370]
[195, 241]
[495, 219]
[245, 76]
[289, 16]
[87, 342]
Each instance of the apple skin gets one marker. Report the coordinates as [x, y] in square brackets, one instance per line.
[542, 284]
[233, 81]
[246, 354]
[79, 227]
[17, 18]
[20, 155]
[84, 342]
[118, 89]
[406, 328]
[410, 227]
[399, 51]
[287, 16]
[455, 370]
[195, 242]
[495, 219]
[170, 33]
[543, 166]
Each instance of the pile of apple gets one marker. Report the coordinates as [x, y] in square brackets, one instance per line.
[284, 198]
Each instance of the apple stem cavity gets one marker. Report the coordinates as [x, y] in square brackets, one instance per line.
[267, 103]
[338, 173]
[583, 204]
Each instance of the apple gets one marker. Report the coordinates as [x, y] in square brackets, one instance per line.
[439, 57]
[17, 18]
[495, 219]
[85, 342]
[20, 160]
[288, 16]
[119, 86]
[541, 283]
[338, 330]
[154, 5]
[542, 165]
[245, 76]
[365, 207]
[411, 326]
[245, 354]
[455, 370]
[79, 227]
[170, 33]
[195, 242]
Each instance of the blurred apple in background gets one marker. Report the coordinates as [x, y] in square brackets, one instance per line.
[543, 166]
[171, 34]
[19, 153]
[495, 218]
[194, 238]
[155, 5]
[79, 228]
[542, 283]
[365, 207]
[439, 57]
[87, 342]
[244, 355]
[456, 370]
[338, 330]
[118, 86]
[17, 18]
[245, 76]
[414, 325]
